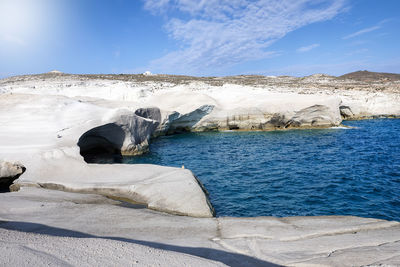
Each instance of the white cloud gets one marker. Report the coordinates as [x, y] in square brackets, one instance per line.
[370, 29]
[307, 48]
[366, 30]
[215, 34]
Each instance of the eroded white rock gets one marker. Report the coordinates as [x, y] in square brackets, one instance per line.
[45, 132]
[167, 189]
[315, 116]
[10, 169]
[262, 241]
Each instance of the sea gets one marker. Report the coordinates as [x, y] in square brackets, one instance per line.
[351, 170]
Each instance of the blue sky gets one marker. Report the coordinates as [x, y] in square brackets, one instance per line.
[199, 37]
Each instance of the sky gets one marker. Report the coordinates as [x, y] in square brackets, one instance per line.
[199, 37]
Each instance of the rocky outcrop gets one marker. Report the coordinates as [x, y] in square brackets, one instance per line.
[49, 121]
[345, 112]
[61, 130]
[177, 122]
[128, 135]
[269, 118]
[67, 117]
[167, 189]
[9, 172]
[152, 113]
[315, 116]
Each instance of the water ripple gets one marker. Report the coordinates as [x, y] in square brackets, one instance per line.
[286, 173]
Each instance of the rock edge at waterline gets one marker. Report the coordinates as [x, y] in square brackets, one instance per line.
[54, 122]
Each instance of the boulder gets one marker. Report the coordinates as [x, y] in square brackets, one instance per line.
[346, 112]
[128, 135]
[9, 171]
[152, 113]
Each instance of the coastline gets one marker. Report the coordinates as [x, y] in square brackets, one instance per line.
[41, 127]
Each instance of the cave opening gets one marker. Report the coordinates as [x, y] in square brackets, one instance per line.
[6, 182]
[102, 144]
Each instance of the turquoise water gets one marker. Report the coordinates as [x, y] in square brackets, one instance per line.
[298, 172]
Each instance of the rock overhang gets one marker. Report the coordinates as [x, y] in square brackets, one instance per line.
[99, 121]
[121, 131]
[293, 241]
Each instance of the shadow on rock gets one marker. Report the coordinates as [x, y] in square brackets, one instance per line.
[228, 258]
[102, 144]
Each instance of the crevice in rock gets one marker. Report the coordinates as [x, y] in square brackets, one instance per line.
[344, 250]
[233, 127]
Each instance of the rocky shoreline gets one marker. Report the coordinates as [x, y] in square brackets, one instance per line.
[52, 123]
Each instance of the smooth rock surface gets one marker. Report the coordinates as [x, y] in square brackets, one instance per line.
[45, 132]
[50, 123]
[41, 216]
[42, 118]
[314, 116]
[160, 188]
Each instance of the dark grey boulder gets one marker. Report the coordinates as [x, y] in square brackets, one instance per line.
[149, 113]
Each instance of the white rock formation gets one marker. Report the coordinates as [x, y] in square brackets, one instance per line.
[167, 189]
[42, 226]
[51, 123]
[317, 115]
[47, 134]
[9, 171]
[235, 107]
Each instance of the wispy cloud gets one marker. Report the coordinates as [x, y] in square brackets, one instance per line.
[215, 34]
[358, 51]
[360, 32]
[307, 48]
[358, 43]
[367, 30]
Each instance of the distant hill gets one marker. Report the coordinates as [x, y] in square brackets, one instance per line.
[368, 76]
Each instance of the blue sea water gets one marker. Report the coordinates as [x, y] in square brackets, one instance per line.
[352, 171]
